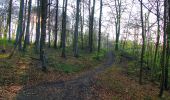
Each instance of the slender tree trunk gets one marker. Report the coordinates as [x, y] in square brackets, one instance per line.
[167, 58]
[20, 32]
[117, 22]
[8, 26]
[89, 5]
[9, 19]
[37, 41]
[61, 36]
[23, 28]
[56, 25]
[64, 29]
[100, 23]
[82, 27]
[76, 30]
[43, 32]
[49, 24]
[26, 41]
[143, 43]
[163, 53]
[91, 28]
[167, 49]
[158, 36]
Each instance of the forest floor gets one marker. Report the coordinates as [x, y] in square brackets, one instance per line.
[84, 78]
[24, 69]
[119, 83]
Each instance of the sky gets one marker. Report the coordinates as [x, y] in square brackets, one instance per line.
[107, 19]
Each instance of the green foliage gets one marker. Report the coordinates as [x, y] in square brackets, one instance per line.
[66, 68]
[99, 56]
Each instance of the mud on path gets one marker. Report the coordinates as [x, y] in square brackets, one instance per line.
[78, 88]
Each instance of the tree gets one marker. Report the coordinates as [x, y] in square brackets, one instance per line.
[8, 26]
[100, 20]
[118, 5]
[163, 53]
[82, 24]
[26, 41]
[9, 19]
[158, 33]
[91, 22]
[63, 35]
[49, 24]
[167, 48]
[56, 25]
[76, 30]
[19, 33]
[24, 20]
[143, 42]
[37, 41]
[43, 32]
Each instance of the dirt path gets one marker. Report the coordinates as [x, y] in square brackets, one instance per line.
[74, 89]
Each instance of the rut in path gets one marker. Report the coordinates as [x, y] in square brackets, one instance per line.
[75, 89]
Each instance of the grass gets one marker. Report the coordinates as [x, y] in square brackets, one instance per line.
[67, 68]
[99, 56]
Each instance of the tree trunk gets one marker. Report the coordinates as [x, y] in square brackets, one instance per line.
[163, 53]
[117, 22]
[100, 23]
[167, 49]
[76, 30]
[158, 36]
[20, 25]
[49, 25]
[56, 25]
[9, 19]
[26, 41]
[63, 35]
[19, 33]
[91, 28]
[43, 32]
[37, 41]
[82, 27]
[143, 43]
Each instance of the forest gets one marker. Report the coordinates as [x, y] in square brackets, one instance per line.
[84, 49]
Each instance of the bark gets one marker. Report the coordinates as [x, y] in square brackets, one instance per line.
[143, 44]
[91, 28]
[26, 41]
[43, 32]
[82, 27]
[163, 53]
[56, 25]
[19, 29]
[49, 25]
[37, 41]
[167, 49]
[63, 35]
[76, 30]
[167, 58]
[20, 23]
[100, 22]
[9, 19]
[158, 35]
[117, 22]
